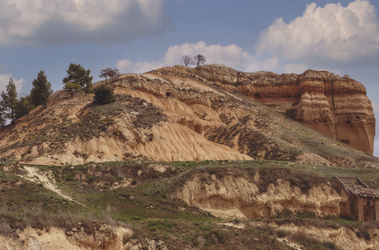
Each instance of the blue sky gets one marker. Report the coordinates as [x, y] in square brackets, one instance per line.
[140, 35]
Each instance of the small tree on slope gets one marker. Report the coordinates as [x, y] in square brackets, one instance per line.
[104, 94]
[77, 74]
[41, 90]
[199, 59]
[9, 101]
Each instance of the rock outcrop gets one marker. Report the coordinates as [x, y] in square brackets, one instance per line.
[342, 237]
[231, 193]
[94, 236]
[191, 114]
[335, 106]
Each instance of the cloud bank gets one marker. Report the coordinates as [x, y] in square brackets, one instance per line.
[230, 55]
[330, 33]
[56, 22]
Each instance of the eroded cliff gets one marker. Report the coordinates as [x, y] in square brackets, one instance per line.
[204, 113]
[242, 193]
[335, 106]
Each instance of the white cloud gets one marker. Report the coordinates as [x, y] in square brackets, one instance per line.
[295, 68]
[230, 55]
[4, 80]
[375, 106]
[332, 32]
[59, 22]
[126, 66]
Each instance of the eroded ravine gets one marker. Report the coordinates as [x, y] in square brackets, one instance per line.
[47, 180]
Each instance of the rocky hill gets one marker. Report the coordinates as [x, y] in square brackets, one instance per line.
[192, 158]
[205, 113]
[332, 105]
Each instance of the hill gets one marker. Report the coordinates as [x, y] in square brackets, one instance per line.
[184, 114]
[202, 158]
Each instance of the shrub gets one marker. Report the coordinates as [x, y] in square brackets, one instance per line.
[282, 233]
[104, 94]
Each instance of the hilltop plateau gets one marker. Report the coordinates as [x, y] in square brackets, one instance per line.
[192, 158]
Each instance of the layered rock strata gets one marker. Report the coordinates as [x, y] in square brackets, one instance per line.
[232, 193]
[335, 106]
[204, 113]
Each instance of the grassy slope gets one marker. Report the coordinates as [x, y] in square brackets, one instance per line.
[147, 207]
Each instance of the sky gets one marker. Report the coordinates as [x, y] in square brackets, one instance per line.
[282, 36]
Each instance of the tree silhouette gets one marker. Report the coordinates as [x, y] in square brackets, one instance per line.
[109, 72]
[187, 60]
[199, 59]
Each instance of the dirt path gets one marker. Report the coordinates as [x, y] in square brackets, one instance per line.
[47, 179]
[293, 245]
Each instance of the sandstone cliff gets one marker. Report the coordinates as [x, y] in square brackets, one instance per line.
[204, 113]
[239, 193]
[332, 105]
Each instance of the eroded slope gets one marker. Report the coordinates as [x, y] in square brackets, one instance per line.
[181, 114]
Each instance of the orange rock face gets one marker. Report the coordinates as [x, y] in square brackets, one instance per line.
[335, 106]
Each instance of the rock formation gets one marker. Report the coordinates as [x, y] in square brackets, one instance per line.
[230, 193]
[332, 105]
[94, 236]
[205, 113]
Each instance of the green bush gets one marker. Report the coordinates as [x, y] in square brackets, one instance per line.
[104, 94]
[282, 233]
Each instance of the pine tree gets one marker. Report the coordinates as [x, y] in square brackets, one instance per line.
[41, 90]
[24, 106]
[77, 74]
[72, 87]
[9, 101]
[2, 116]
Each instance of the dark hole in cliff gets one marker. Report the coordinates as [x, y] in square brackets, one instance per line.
[168, 94]
[291, 113]
[346, 141]
[348, 122]
[257, 95]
